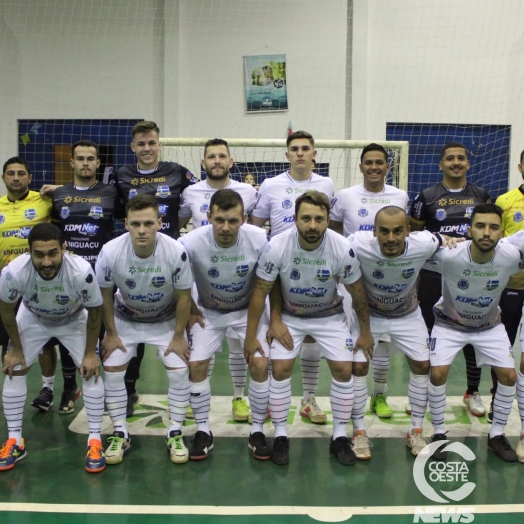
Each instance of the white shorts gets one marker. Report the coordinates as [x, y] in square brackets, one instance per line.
[408, 334]
[157, 334]
[35, 332]
[331, 334]
[204, 343]
[492, 346]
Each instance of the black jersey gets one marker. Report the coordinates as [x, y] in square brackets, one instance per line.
[166, 184]
[86, 217]
[445, 211]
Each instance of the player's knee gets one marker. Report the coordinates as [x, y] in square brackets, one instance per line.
[258, 369]
[282, 369]
[360, 369]
[507, 376]
[198, 370]
[438, 376]
[420, 367]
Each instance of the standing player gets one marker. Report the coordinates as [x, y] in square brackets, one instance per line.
[309, 260]
[354, 210]
[224, 256]
[446, 208]
[151, 305]
[276, 201]
[473, 278]
[217, 163]
[56, 290]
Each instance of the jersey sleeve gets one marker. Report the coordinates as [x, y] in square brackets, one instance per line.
[262, 207]
[434, 263]
[181, 273]
[337, 210]
[104, 270]
[10, 288]
[253, 196]
[88, 290]
[184, 210]
[516, 240]
[269, 264]
[188, 179]
[418, 211]
[350, 270]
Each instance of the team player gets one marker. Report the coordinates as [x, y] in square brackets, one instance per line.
[224, 257]
[60, 298]
[354, 210]
[309, 259]
[276, 201]
[473, 278]
[151, 305]
[446, 208]
[217, 163]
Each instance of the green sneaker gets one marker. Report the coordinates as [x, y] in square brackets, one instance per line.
[379, 405]
[240, 410]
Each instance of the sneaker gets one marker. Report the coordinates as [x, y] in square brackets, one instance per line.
[240, 410]
[341, 448]
[189, 413]
[44, 400]
[95, 457]
[67, 402]
[250, 417]
[490, 412]
[118, 447]
[178, 452]
[361, 445]
[519, 450]
[10, 454]
[502, 448]
[132, 399]
[258, 445]
[439, 454]
[309, 409]
[380, 406]
[416, 441]
[474, 403]
[280, 453]
[201, 445]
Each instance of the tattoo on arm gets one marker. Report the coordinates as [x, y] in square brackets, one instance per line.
[263, 285]
[360, 301]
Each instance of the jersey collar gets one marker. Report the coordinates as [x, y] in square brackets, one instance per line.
[320, 247]
[18, 199]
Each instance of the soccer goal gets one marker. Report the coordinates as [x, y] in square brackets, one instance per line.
[338, 159]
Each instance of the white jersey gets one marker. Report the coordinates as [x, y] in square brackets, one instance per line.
[277, 195]
[195, 200]
[470, 291]
[224, 276]
[146, 286]
[73, 288]
[309, 278]
[391, 283]
[356, 207]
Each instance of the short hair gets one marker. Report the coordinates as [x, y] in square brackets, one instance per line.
[300, 134]
[374, 147]
[17, 160]
[140, 202]
[45, 232]
[522, 156]
[144, 127]
[216, 142]
[449, 145]
[315, 198]
[226, 199]
[85, 143]
[391, 211]
[483, 209]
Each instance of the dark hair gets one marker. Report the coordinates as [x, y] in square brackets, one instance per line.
[85, 143]
[315, 198]
[449, 145]
[522, 156]
[216, 142]
[140, 202]
[45, 232]
[17, 160]
[226, 199]
[391, 211]
[144, 127]
[373, 147]
[483, 209]
[300, 134]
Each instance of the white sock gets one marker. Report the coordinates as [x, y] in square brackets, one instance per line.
[418, 399]
[520, 399]
[178, 397]
[437, 406]
[14, 396]
[360, 389]
[380, 368]
[48, 382]
[501, 409]
[310, 368]
[94, 404]
[341, 397]
[116, 399]
[279, 403]
[200, 400]
[259, 401]
[237, 366]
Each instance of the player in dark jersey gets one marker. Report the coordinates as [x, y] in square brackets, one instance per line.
[446, 208]
[163, 180]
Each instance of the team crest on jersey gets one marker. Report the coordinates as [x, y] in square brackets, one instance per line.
[64, 213]
[213, 272]
[518, 216]
[204, 208]
[287, 204]
[162, 210]
[132, 193]
[491, 285]
[430, 343]
[107, 274]
[347, 271]
[242, 270]
[30, 214]
[378, 274]
[157, 282]
[295, 274]
[469, 212]
[176, 275]
[131, 283]
[323, 275]
[351, 253]
[269, 267]
[463, 284]
[2, 219]
[163, 191]
[62, 299]
[440, 214]
[13, 294]
[96, 212]
[408, 273]
[349, 344]
[362, 212]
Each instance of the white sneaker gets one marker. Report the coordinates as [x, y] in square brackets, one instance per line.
[178, 452]
[520, 449]
[361, 445]
[475, 404]
[309, 409]
[118, 447]
[416, 441]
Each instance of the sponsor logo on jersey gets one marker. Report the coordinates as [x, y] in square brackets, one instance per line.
[89, 200]
[213, 272]
[207, 196]
[131, 283]
[204, 208]
[396, 288]
[64, 212]
[469, 212]
[351, 253]
[468, 272]
[132, 269]
[309, 261]
[107, 274]
[313, 292]
[2, 219]
[461, 229]
[295, 274]
[362, 212]
[147, 180]
[96, 212]
[491, 285]
[86, 297]
[162, 210]
[349, 344]
[157, 282]
[347, 271]
[363, 200]
[230, 288]
[463, 284]
[30, 214]
[23, 232]
[366, 227]
[518, 216]
[163, 191]
[380, 263]
[269, 266]
[378, 274]
[323, 275]
[289, 190]
[408, 273]
[287, 204]
[62, 300]
[204, 223]
[430, 343]
[224, 258]
[242, 270]
[440, 214]
[176, 275]
[89, 230]
[475, 301]
[132, 193]
[288, 219]
[89, 278]
[149, 298]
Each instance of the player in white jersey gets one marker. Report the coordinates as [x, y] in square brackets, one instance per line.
[224, 256]
[217, 163]
[390, 260]
[354, 210]
[276, 203]
[309, 260]
[60, 298]
[151, 305]
[473, 278]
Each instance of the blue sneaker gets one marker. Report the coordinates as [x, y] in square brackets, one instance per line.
[10, 454]
[95, 457]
